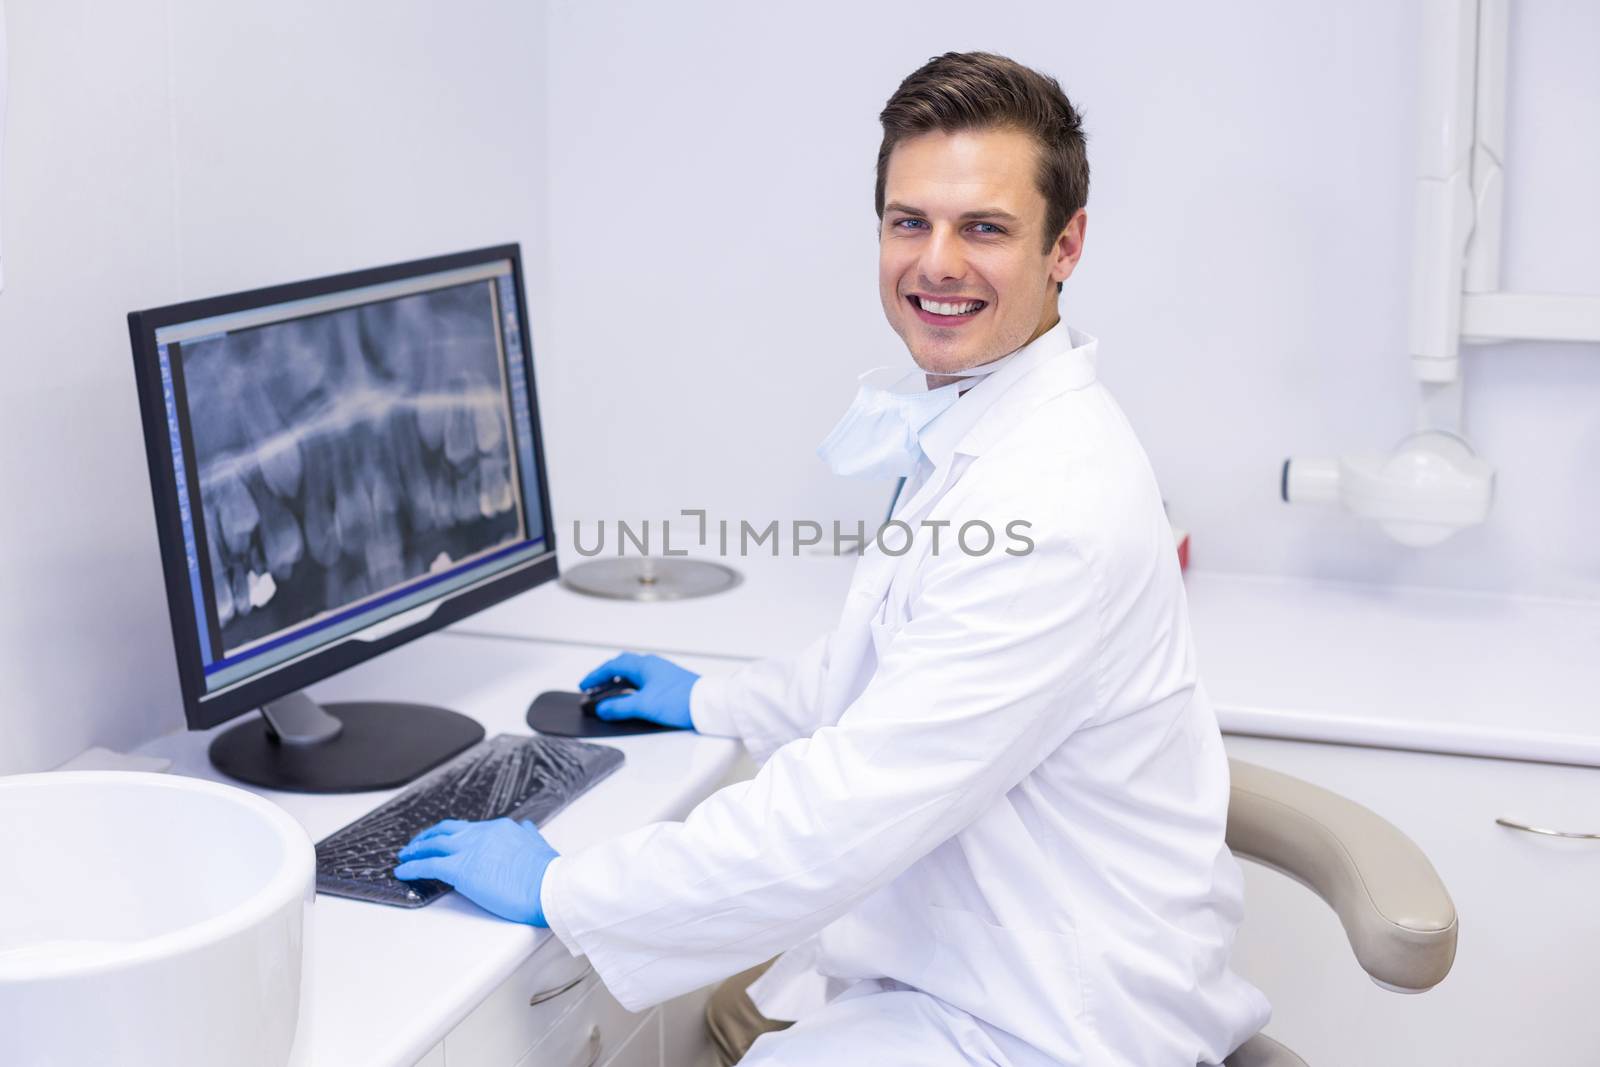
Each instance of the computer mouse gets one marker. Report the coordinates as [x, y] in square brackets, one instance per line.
[616, 687]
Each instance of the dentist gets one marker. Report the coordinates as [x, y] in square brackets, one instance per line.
[988, 823]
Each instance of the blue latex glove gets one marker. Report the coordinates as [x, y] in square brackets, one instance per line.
[498, 865]
[663, 690]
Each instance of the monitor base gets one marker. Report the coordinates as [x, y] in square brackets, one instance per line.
[378, 745]
[560, 714]
[649, 578]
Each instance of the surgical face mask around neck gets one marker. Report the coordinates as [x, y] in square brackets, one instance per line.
[877, 437]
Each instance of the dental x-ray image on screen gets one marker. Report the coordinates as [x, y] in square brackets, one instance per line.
[345, 453]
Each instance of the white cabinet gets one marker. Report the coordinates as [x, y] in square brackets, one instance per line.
[1528, 960]
[595, 1030]
[521, 1010]
[554, 1012]
[643, 1049]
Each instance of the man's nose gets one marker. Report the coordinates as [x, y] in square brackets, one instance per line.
[942, 259]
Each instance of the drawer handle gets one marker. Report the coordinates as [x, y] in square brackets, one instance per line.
[594, 1047]
[551, 994]
[1525, 828]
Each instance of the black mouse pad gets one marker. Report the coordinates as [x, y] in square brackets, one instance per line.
[560, 714]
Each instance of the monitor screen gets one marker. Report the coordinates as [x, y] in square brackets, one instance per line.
[341, 458]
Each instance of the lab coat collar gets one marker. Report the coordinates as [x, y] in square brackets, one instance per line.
[1057, 361]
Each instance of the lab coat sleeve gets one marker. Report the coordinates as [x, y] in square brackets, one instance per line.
[765, 704]
[996, 668]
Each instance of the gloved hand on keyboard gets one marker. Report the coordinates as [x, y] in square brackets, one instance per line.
[663, 690]
[498, 865]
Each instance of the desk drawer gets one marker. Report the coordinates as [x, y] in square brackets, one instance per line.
[590, 1034]
[521, 1010]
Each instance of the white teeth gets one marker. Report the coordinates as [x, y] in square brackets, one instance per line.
[261, 587]
[949, 309]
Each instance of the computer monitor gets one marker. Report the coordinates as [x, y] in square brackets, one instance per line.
[339, 466]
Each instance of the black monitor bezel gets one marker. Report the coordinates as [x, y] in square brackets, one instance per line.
[202, 712]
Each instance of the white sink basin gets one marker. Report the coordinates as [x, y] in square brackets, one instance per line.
[148, 919]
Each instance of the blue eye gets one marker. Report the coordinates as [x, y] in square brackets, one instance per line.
[909, 222]
[993, 229]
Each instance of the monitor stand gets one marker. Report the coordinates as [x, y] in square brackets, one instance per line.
[300, 746]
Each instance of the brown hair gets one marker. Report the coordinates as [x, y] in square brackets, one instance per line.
[979, 90]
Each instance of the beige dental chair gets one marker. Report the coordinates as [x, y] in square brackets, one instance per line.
[1395, 910]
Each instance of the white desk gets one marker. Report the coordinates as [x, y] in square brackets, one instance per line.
[781, 606]
[385, 985]
[1404, 669]
[1428, 670]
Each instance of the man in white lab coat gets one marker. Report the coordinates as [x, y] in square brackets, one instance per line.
[990, 807]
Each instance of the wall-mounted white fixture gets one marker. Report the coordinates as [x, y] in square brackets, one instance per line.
[1433, 484]
[1429, 487]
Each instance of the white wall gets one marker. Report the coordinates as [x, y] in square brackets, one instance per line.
[711, 253]
[158, 152]
[1246, 269]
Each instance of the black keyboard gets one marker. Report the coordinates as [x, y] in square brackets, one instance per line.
[507, 775]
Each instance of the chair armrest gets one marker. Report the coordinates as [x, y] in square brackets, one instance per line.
[1396, 912]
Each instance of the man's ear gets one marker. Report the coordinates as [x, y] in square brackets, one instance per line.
[1064, 254]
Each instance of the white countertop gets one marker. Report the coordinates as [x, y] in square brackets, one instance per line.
[1425, 669]
[781, 605]
[1432, 670]
[1400, 668]
[386, 984]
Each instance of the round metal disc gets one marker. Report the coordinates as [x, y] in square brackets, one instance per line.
[650, 578]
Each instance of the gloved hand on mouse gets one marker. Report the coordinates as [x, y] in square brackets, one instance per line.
[499, 864]
[662, 686]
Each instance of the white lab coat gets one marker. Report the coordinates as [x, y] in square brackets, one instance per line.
[996, 785]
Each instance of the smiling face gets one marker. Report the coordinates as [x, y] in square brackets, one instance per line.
[965, 269]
